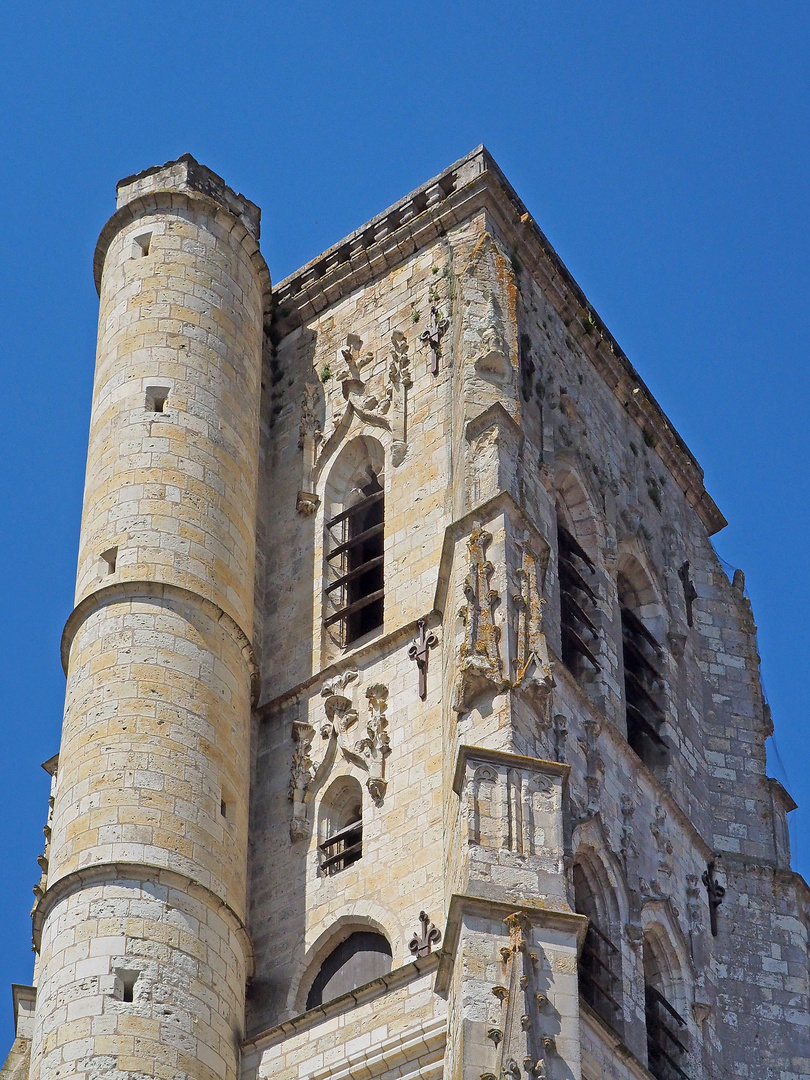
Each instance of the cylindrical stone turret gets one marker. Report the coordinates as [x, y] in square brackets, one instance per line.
[143, 951]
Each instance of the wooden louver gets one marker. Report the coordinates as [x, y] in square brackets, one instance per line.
[355, 540]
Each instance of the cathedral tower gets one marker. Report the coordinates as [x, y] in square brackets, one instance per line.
[498, 807]
[141, 930]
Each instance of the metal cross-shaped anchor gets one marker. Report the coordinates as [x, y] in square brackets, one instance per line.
[422, 943]
[436, 330]
[716, 893]
[689, 591]
[419, 651]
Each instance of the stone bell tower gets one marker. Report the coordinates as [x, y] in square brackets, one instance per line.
[140, 926]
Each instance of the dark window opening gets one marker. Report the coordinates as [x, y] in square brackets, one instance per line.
[643, 691]
[141, 245]
[359, 959]
[578, 628]
[343, 847]
[128, 980]
[223, 808]
[666, 1037]
[599, 961]
[108, 561]
[157, 398]
[356, 540]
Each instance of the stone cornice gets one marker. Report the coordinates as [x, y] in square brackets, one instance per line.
[504, 757]
[473, 184]
[462, 904]
[99, 873]
[132, 590]
[162, 202]
[400, 976]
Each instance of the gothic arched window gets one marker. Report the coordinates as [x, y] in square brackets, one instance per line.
[361, 958]
[643, 659]
[667, 1039]
[576, 570]
[600, 960]
[354, 547]
[340, 826]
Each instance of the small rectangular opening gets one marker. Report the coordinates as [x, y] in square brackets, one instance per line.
[223, 808]
[107, 561]
[127, 980]
[157, 398]
[141, 245]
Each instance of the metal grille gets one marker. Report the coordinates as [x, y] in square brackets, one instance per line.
[341, 850]
[643, 690]
[578, 598]
[666, 1037]
[355, 556]
[598, 979]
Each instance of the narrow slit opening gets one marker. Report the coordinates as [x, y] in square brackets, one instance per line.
[157, 398]
[128, 980]
[141, 245]
[107, 562]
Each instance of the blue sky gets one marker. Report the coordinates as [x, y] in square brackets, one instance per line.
[662, 148]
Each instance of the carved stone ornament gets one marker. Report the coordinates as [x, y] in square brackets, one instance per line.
[514, 1026]
[421, 944]
[371, 750]
[479, 658]
[301, 776]
[309, 438]
[368, 752]
[374, 746]
[533, 667]
[399, 383]
[594, 764]
[378, 400]
[436, 329]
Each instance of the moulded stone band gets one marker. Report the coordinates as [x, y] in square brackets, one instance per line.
[98, 873]
[167, 201]
[128, 590]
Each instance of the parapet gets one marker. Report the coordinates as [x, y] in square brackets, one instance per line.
[187, 175]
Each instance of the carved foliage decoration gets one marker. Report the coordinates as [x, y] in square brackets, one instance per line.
[479, 657]
[399, 383]
[532, 664]
[301, 776]
[379, 399]
[368, 752]
[374, 746]
[594, 764]
[515, 1022]
[490, 293]
[309, 439]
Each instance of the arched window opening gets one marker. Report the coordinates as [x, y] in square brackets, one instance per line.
[644, 685]
[666, 1028]
[341, 826]
[361, 958]
[578, 599]
[599, 961]
[354, 543]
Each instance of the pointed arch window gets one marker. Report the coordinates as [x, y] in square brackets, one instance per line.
[359, 959]
[578, 629]
[667, 1038]
[340, 826]
[644, 684]
[600, 960]
[355, 557]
